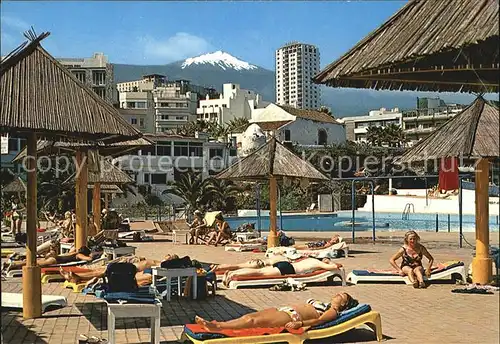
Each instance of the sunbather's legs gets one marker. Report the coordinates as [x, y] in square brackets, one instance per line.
[211, 237]
[143, 279]
[409, 272]
[17, 265]
[266, 318]
[77, 277]
[419, 273]
[265, 271]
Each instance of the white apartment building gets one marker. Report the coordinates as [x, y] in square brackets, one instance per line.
[232, 103]
[160, 104]
[296, 65]
[174, 155]
[356, 126]
[298, 126]
[96, 72]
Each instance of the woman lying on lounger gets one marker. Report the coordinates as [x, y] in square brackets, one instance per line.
[282, 268]
[251, 264]
[144, 275]
[52, 258]
[308, 314]
[412, 253]
[318, 245]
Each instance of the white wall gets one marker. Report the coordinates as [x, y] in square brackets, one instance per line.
[305, 132]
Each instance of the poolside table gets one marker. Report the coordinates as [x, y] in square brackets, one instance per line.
[116, 252]
[171, 273]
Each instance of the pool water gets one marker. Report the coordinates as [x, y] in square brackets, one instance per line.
[341, 221]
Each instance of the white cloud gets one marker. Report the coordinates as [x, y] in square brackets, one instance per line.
[177, 47]
[14, 23]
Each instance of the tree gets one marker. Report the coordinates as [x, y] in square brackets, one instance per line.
[326, 110]
[191, 188]
[238, 125]
[395, 134]
[221, 194]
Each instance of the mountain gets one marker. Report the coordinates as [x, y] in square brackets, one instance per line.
[217, 68]
[209, 70]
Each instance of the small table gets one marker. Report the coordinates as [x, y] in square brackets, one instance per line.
[245, 236]
[119, 251]
[134, 310]
[180, 233]
[171, 273]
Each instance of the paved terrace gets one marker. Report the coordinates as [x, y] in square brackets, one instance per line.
[434, 315]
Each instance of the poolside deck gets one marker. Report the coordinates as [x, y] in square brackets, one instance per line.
[440, 316]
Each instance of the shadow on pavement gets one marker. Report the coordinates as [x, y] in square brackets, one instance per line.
[13, 330]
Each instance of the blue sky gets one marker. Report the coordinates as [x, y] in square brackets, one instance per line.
[163, 32]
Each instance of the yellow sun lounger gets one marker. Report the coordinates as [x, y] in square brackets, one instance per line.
[77, 288]
[6, 253]
[339, 326]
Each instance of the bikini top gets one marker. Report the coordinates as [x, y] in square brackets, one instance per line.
[412, 260]
[319, 306]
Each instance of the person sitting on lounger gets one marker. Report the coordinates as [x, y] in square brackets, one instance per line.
[308, 314]
[412, 253]
[197, 227]
[282, 268]
[144, 275]
[319, 245]
[52, 258]
[222, 233]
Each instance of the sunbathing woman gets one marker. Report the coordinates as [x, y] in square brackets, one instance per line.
[282, 268]
[412, 252]
[52, 258]
[308, 314]
[251, 264]
[144, 275]
[197, 228]
[319, 245]
[223, 231]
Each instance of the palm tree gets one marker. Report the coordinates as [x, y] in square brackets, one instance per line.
[395, 135]
[374, 135]
[221, 193]
[238, 125]
[326, 110]
[191, 188]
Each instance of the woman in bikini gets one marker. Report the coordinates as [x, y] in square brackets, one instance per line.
[282, 268]
[311, 313]
[412, 253]
[223, 231]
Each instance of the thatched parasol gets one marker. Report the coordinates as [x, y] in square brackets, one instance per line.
[40, 97]
[438, 46]
[16, 186]
[426, 46]
[108, 189]
[272, 161]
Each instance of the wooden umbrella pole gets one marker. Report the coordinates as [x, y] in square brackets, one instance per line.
[272, 239]
[32, 284]
[96, 206]
[481, 263]
[81, 200]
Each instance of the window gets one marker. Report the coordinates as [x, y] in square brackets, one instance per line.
[181, 149]
[140, 105]
[13, 145]
[148, 150]
[224, 105]
[100, 91]
[80, 75]
[322, 137]
[141, 122]
[180, 118]
[195, 149]
[163, 148]
[215, 152]
[287, 135]
[146, 178]
[233, 152]
[98, 78]
[158, 178]
[133, 120]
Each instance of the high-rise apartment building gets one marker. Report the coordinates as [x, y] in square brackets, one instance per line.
[296, 65]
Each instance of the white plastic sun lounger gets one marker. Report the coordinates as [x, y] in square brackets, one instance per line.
[239, 247]
[15, 300]
[446, 271]
[318, 276]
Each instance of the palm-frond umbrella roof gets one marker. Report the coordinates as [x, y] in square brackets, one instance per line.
[112, 149]
[17, 185]
[427, 45]
[40, 95]
[271, 159]
[473, 133]
[107, 173]
[108, 188]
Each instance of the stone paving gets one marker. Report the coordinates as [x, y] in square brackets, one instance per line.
[434, 315]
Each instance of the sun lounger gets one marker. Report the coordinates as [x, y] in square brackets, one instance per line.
[15, 300]
[77, 287]
[239, 247]
[454, 270]
[326, 252]
[260, 281]
[6, 253]
[348, 320]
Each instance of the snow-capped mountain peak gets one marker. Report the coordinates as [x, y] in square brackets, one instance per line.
[219, 58]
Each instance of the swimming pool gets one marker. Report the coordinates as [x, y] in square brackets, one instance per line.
[341, 221]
